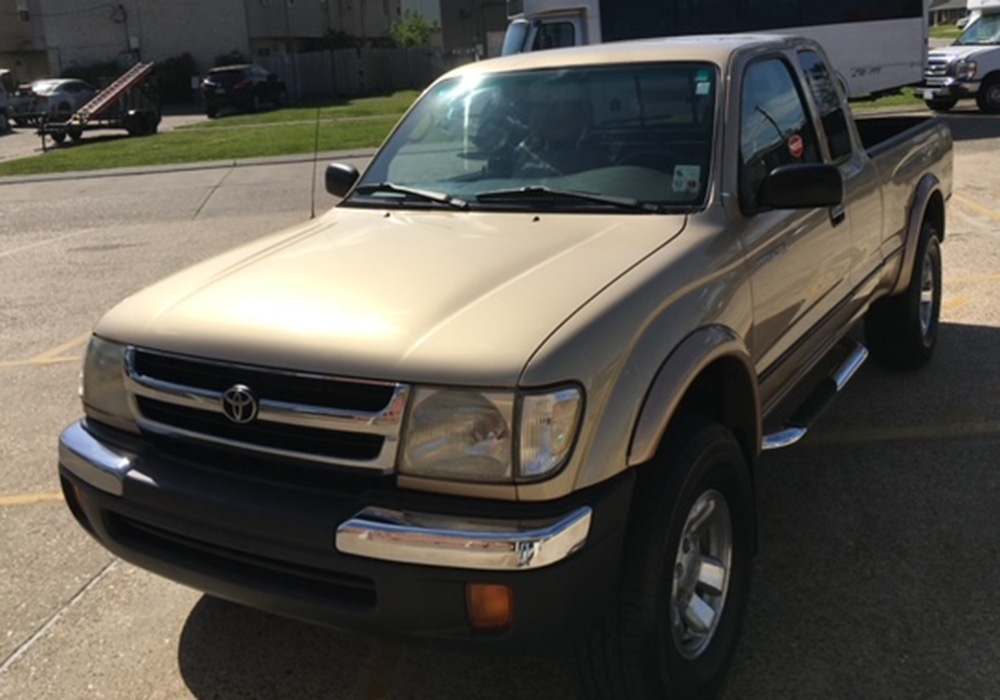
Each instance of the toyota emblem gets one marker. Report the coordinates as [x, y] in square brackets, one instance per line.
[239, 404]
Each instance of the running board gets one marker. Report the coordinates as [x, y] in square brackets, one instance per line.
[817, 403]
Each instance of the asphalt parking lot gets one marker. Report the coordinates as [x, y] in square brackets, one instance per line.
[879, 535]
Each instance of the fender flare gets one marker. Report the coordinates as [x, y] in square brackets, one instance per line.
[677, 374]
[926, 189]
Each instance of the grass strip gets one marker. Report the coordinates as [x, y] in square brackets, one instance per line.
[200, 145]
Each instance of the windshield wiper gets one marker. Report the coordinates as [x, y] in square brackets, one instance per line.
[426, 195]
[542, 193]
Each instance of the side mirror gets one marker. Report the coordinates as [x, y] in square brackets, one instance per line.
[340, 178]
[805, 186]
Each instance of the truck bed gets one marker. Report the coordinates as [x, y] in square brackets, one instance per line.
[882, 134]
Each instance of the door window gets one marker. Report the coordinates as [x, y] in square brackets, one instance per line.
[775, 129]
[831, 110]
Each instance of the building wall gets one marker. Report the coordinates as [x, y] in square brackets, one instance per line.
[287, 20]
[80, 34]
[467, 24]
[22, 43]
[429, 9]
[366, 19]
[203, 29]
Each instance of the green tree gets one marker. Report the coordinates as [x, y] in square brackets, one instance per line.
[412, 31]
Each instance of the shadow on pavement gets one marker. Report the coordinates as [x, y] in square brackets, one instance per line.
[972, 126]
[229, 651]
[876, 535]
[878, 542]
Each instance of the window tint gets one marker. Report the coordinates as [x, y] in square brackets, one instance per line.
[774, 129]
[554, 35]
[831, 112]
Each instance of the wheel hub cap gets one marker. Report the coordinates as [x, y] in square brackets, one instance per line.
[927, 293]
[701, 574]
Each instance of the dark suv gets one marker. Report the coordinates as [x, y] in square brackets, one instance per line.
[243, 87]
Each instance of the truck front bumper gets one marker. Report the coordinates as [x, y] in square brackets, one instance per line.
[342, 550]
[950, 88]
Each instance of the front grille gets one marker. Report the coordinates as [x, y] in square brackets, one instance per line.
[304, 582]
[300, 416]
[937, 68]
[309, 389]
[275, 436]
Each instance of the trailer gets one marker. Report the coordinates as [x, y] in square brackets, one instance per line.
[130, 102]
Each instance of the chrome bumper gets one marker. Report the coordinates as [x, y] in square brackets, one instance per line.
[432, 540]
[379, 533]
[950, 87]
[91, 461]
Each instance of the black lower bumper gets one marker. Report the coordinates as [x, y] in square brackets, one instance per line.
[217, 522]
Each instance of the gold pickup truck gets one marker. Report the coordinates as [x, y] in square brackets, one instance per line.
[510, 391]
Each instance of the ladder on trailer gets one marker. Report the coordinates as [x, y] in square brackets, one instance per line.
[111, 94]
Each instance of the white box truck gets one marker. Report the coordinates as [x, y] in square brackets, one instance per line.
[875, 46]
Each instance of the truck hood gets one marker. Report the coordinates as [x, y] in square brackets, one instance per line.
[953, 53]
[441, 297]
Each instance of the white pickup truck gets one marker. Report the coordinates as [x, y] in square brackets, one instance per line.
[969, 68]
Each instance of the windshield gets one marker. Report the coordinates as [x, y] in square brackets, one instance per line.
[629, 133]
[985, 30]
[513, 41]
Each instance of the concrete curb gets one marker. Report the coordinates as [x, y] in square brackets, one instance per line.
[184, 167]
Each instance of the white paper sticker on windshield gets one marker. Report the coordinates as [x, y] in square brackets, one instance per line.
[687, 179]
[702, 89]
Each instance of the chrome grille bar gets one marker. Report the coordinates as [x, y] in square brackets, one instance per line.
[385, 423]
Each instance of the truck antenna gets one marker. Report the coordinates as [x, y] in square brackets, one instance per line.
[315, 162]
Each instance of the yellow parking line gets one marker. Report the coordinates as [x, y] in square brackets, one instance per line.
[29, 499]
[52, 356]
[950, 307]
[976, 207]
[973, 279]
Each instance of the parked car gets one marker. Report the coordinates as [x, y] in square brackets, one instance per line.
[243, 87]
[58, 98]
[4, 109]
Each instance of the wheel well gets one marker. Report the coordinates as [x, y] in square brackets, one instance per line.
[934, 213]
[990, 78]
[724, 392]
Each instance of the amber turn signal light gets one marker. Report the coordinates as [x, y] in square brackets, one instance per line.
[491, 606]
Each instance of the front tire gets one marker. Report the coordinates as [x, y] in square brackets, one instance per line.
[686, 575]
[941, 104]
[902, 331]
[988, 97]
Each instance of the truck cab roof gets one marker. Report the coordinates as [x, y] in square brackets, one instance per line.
[717, 48]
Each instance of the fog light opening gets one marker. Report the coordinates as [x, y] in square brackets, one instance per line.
[491, 606]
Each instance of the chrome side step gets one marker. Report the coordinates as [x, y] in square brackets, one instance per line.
[817, 403]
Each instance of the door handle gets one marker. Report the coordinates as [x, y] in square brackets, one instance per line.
[838, 215]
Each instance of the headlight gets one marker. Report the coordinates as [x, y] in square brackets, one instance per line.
[103, 386]
[457, 434]
[468, 435]
[548, 426]
[965, 69]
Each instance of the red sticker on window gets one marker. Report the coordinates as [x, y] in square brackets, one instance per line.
[797, 146]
